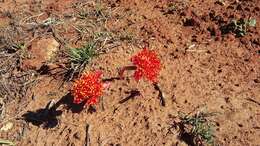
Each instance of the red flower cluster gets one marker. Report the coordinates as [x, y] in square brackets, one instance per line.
[148, 65]
[88, 88]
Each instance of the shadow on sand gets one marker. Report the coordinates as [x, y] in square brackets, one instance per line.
[48, 116]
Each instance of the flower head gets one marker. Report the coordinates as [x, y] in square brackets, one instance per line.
[88, 88]
[148, 65]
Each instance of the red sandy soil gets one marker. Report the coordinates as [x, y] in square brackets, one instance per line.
[201, 68]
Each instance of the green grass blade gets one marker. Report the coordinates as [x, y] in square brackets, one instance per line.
[6, 142]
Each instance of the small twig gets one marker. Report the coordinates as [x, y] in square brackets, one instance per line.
[102, 103]
[57, 36]
[162, 99]
[49, 107]
[110, 79]
[87, 139]
[28, 18]
[256, 127]
[23, 131]
[252, 100]
[133, 94]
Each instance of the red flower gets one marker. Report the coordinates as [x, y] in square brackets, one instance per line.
[148, 65]
[88, 88]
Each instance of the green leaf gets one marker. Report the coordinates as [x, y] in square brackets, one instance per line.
[252, 22]
[6, 142]
[84, 54]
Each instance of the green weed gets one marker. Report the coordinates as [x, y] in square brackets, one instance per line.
[82, 55]
[196, 129]
[79, 58]
[238, 27]
[172, 7]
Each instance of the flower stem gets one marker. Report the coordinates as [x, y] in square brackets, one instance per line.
[162, 99]
[87, 138]
[123, 69]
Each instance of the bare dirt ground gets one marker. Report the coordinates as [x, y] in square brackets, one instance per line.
[206, 65]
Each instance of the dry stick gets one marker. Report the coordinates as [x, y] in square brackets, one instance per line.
[102, 103]
[133, 94]
[252, 100]
[162, 100]
[110, 79]
[87, 139]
